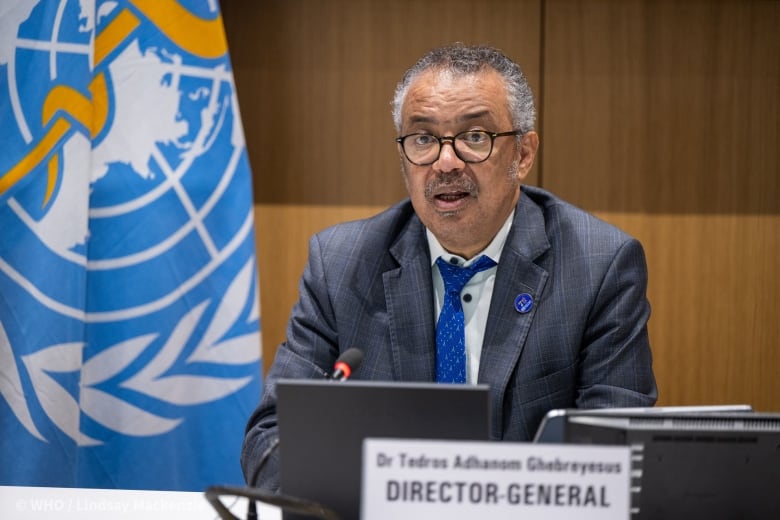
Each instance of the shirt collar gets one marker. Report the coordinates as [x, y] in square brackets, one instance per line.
[493, 249]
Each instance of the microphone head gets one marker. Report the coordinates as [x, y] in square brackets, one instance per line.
[346, 363]
[351, 357]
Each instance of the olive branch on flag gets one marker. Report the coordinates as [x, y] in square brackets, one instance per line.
[151, 380]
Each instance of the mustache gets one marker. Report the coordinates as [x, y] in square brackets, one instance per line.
[462, 183]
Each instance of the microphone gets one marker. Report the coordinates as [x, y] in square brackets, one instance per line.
[346, 364]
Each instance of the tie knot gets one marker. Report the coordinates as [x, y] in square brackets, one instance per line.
[456, 277]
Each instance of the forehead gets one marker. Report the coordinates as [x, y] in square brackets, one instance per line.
[441, 97]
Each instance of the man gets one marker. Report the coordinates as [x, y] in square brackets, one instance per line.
[554, 317]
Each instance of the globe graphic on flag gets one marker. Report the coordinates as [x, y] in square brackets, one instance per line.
[166, 112]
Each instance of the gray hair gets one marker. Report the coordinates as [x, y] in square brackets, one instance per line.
[464, 60]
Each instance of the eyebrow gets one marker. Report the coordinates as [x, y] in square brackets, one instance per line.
[473, 115]
[469, 116]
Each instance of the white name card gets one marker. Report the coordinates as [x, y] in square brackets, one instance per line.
[417, 479]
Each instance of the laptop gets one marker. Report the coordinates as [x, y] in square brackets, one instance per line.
[322, 425]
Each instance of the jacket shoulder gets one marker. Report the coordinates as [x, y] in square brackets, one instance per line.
[569, 222]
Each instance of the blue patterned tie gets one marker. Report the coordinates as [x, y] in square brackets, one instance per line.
[450, 329]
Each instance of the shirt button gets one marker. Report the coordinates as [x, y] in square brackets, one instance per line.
[467, 297]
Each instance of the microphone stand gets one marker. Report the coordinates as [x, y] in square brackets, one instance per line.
[292, 504]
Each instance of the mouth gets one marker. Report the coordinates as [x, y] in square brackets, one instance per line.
[450, 200]
[451, 196]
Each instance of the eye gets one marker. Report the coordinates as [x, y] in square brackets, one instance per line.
[423, 140]
[474, 137]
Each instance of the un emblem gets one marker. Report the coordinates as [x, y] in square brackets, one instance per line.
[127, 219]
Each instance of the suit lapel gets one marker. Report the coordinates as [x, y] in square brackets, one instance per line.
[507, 328]
[409, 299]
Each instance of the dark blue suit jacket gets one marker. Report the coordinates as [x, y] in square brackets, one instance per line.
[584, 344]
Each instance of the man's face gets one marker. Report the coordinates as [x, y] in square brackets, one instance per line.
[464, 204]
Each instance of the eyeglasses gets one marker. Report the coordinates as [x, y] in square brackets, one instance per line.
[471, 146]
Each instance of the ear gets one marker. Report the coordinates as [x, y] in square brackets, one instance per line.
[526, 153]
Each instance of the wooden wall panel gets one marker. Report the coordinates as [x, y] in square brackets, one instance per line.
[661, 106]
[663, 118]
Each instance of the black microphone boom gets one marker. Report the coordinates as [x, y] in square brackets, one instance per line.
[347, 363]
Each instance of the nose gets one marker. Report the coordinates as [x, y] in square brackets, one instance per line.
[448, 160]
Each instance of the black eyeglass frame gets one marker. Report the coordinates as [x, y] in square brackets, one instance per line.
[451, 138]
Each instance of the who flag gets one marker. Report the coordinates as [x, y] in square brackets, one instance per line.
[129, 313]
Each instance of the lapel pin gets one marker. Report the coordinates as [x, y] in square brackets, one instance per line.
[524, 303]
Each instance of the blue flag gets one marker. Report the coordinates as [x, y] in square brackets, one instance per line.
[129, 309]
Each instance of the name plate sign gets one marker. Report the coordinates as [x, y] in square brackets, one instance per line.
[422, 479]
